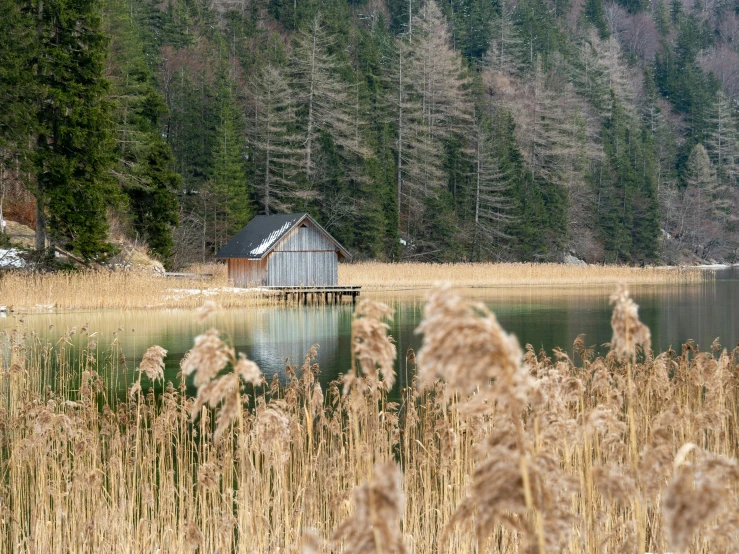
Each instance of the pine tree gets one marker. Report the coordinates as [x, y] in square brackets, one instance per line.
[154, 207]
[188, 81]
[16, 76]
[662, 17]
[601, 70]
[690, 89]
[616, 188]
[662, 138]
[470, 23]
[646, 232]
[628, 206]
[73, 149]
[366, 124]
[431, 107]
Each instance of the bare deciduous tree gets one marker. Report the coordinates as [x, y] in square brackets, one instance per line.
[723, 143]
[278, 155]
[491, 207]
[326, 100]
[430, 104]
[701, 220]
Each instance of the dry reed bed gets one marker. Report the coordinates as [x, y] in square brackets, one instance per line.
[496, 448]
[94, 290]
[379, 276]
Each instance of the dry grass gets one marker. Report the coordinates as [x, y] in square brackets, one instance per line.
[385, 276]
[632, 452]
[20, 234]
[94, 290]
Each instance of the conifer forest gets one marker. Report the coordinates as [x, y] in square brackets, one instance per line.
[412, 130]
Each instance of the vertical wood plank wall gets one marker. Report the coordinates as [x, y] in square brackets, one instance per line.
[247, 273]
[305, 238]
[304, 257]
[309, 269]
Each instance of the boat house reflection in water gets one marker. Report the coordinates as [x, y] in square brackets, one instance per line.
[288, 333]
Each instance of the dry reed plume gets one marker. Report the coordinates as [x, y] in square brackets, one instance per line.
[152, 363]
[501, 449]
[374, 527]
[208, 358]
[373, 349]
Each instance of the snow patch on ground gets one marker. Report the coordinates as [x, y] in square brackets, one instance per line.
[715, 266]
[573, 260]
[179, 294]
[273, 236]
[11, 259]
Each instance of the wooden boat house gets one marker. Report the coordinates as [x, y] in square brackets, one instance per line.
[283, 250]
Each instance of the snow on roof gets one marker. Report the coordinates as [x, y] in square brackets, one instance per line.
[263, 232]
[269, 240]
[259, 236]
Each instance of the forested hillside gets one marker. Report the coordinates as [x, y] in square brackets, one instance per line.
[444, 130]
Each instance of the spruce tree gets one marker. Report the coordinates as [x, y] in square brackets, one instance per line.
[144, 161]
[73, 149]
[595, 13]
[229, 175]
[16, 77]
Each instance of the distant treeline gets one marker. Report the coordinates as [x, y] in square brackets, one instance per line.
[458, 130]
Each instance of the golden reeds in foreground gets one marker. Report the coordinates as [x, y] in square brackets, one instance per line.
[502, 450]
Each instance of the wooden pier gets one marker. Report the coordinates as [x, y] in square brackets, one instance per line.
[327, 295]
[188, 276]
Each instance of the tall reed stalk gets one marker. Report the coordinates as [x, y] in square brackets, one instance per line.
[494, 449]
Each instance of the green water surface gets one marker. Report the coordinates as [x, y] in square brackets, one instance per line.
[276, 335]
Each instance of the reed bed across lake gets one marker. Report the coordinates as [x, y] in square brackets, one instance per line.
[388, 276]
[93, 290]
[494, 448]
[103, 289]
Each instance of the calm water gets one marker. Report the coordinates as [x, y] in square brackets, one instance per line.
[545, 317]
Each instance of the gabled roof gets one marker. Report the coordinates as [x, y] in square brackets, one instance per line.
[264, 232]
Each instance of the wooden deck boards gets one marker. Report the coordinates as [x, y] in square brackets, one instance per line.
[326, 294]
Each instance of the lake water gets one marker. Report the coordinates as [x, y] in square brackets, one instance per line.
[542, 316]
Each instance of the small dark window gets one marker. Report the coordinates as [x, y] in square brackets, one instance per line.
[303, 226]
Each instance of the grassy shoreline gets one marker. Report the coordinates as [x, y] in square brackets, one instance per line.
[389, 276]
[140, 290]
